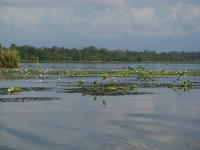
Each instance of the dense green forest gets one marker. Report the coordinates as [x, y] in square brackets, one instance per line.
[91, 53]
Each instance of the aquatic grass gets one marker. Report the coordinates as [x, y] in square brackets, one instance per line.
[180, 83]
[9, 58]
[185, 85]
[109, 82]
[146, 78]
[27, 99]
[128, 72]
[81, 82]
[104, 76]
[109, 74]
[103, 89]
[133, 87]
[12, 90]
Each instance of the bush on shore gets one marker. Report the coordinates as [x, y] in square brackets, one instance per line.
[9, 58]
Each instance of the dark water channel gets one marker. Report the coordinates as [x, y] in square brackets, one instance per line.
[44, 117]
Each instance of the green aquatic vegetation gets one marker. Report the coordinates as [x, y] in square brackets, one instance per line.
[12, 90]
[11, 70]
[9, 58]
[104, 76]
[81, 74]
[53, 72]
[70, 82]
[122, 88]
[74, 82]
[179, 83]
[108, 89]
[128, 72]
[83, 87]
[146, 78]
[186, 85]
[72, 88]
[150, 75]
[170, 86]
[152, 78]
[94, 89]
[133, 87]
[81, 82]
[105, 89]
[116, 73]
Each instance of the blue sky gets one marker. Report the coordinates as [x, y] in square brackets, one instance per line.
[160, 25]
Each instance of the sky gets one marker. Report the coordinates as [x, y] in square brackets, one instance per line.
[160, 25]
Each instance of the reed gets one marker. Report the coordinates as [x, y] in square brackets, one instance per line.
[9, 58]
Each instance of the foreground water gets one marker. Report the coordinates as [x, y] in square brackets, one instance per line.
[164, 119]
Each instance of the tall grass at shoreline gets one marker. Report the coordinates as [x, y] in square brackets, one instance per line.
[9, 58]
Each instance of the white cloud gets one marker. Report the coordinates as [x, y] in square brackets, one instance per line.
[12, 18]
[144, 16]
[188, 15]
[99, 2]
[115, 20]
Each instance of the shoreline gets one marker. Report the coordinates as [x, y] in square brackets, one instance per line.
[113, 62]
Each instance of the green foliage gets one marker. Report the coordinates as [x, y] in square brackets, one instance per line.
[170, 86]
[180, 84]
[81, 82]
[185, 85]
[104, 76]
[9, 58]
[122, 88]
[12, 90]
[133, 87]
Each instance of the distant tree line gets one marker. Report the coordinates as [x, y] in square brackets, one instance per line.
[91, 53]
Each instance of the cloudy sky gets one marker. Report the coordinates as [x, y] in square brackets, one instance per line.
[160, 25]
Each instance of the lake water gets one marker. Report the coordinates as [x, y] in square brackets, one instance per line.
[164, 119]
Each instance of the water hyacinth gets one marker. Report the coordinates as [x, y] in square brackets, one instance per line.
[12, 90]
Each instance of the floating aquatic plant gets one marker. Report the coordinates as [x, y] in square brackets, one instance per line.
[12, 90]
[180, 84]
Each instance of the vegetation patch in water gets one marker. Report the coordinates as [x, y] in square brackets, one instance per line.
[148, 74]
[27, 99]
[106, 89]
[182, 85]
[12, 90]
[9, 58]
[130, 71]
[124, 82]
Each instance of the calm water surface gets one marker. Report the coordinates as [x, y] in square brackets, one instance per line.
[165, 120]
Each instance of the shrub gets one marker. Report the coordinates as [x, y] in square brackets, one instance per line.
[9, 58]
